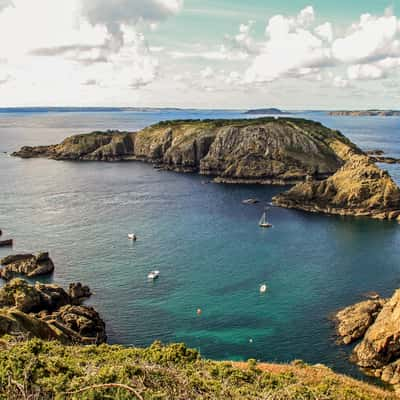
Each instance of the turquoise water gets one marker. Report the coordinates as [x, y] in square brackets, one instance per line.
[207, 245]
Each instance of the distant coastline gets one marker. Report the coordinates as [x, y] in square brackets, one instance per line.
[365, 113]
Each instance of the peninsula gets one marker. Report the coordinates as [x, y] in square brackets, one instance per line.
[332, 175]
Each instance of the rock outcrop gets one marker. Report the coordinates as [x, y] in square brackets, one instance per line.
[358, 188]
[78, 292]
[377, 324]
[26, 264]
[49, 312]
[332, 175]
[353, 321]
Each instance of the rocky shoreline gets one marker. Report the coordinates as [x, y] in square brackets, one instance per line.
[48, 312]
[331, 174]
[375, 325]
[45, 311]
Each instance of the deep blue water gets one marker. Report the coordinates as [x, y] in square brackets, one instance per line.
[207, 245]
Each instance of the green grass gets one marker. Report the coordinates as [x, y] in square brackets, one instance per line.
[48, 370]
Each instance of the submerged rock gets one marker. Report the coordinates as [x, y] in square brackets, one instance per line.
[26, 264]
[250, 201]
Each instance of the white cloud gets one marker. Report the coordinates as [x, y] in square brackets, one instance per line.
[325, 31]
[290, 49]
[242, 43]
[371, 39]
[67, 44]
[5, 3]
[306, 17]
[117, 13]
[364, 72]
[340, 82]
[207, 72]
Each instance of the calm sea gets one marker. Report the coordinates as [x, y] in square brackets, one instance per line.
[207, 245]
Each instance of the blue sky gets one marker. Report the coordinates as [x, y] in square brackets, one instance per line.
[200, 53]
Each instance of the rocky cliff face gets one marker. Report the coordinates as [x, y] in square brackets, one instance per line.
[265, 150]
[333, 175]
[353, 321]
[377, 324]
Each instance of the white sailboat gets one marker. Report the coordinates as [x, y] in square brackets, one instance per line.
[263, 221]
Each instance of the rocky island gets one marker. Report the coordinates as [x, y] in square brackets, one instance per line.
[332, 175]
[265, 111]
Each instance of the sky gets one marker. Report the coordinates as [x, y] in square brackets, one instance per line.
[291, 54]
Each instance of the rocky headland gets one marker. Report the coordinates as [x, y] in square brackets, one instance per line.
[358, 188]
[375, 323]
[332, 175]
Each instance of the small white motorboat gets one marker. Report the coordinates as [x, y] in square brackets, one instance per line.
[263, 288]
[132, 236]
[153, 275]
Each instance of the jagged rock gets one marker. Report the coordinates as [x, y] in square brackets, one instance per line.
[32, 298]
[353, 321]
[48, 312]
[6, 243]
[359, 188]
[385, 160]
[84, 321]
[78, 292]
[279, 151]
[19, 294]
[381, 343]
[26, 264]
[15, 322]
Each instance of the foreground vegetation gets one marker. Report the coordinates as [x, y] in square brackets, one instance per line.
[38, 369]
